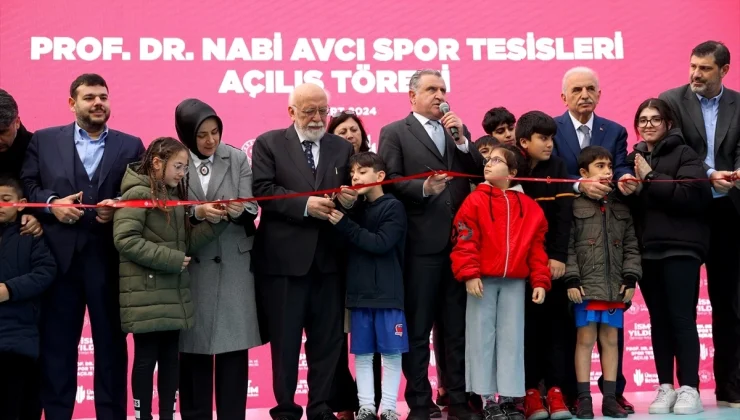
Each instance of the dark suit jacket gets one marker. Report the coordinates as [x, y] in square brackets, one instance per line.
[689, 118]
[605, 133]
[287, 243]
[48, 170]
[407, 150]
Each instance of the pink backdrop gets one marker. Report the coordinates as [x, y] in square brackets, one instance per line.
[638, 52]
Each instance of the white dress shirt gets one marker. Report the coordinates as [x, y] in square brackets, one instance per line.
[204, 179]
[577, 124]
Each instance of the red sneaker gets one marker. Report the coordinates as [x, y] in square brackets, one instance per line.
[533, 408]
[556, 403]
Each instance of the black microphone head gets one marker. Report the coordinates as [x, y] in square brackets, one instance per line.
[444, 107]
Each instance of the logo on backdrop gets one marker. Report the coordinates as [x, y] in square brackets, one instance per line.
[247, 149]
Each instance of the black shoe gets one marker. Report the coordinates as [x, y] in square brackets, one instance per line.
[418, 414]
[366, 414]
[611, 408]
[585, 408]
[325, 415]
[389, 415]
[462, 412]
[510, 411]
[443, 400]
[434, 411]
[628, 406]
[493, 412]
[475, 402]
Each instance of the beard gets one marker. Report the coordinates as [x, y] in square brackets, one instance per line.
[312, 131]
[91, 123]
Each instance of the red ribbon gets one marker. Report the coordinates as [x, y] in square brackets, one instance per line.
[174, 203]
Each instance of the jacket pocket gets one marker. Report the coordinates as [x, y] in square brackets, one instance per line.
[245, 244]
[150, 283]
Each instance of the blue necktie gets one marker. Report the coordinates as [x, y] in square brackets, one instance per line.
[309, 155]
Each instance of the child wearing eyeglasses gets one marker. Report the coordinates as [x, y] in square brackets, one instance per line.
[499, 243]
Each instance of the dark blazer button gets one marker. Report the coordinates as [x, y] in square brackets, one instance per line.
[217, 260]
[448, 202]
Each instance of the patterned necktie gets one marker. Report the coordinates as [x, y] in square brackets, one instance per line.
[438, 136]
[586, 136]
[307, 145]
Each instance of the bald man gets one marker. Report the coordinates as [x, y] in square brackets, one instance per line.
[298, 254]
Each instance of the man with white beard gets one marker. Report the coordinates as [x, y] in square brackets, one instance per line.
[298, 253]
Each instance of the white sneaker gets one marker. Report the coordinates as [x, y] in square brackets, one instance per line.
[688, 401]
[664, 401]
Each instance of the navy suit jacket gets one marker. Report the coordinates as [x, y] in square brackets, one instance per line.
[605, 133]
[48, 170]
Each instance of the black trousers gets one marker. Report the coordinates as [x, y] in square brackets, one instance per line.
[91, 283]
[433, 296]
[313, 302]
[31, 404]
[550, 341]
[345, 388]
[14, 384]
[438, 341]
[197, 383]
[723, 284]
[670, 288]
[155, 349]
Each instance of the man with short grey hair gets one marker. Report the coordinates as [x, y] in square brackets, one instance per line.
[429, 139]
[578, 128]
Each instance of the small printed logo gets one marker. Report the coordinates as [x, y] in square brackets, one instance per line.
[638, 377]
[137, 404]
[398, 330]
[704, 351]
[80, 397]
[247, 149]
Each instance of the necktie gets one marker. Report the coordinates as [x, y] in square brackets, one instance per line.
[438, 136]
[586, 136]
[309, 155]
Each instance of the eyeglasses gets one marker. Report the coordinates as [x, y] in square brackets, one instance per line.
[312, 111]
[182, 168]
[654, 121]
[340, 113]
[494, 160]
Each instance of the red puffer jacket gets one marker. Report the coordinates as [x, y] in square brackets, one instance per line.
[500, 233]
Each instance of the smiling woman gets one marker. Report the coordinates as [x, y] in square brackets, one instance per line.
[223, 288]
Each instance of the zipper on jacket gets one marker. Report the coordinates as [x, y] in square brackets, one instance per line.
[179, 277]
[508, 233]
[607, 260]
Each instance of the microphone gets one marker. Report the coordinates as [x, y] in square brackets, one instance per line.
[445, 108]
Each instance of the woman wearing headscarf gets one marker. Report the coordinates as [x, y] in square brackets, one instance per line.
[222, 285]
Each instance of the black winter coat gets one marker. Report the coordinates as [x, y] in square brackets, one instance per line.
[27, 269]
[672, 215]
[377, 238]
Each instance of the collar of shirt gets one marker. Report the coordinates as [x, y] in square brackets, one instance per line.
[711, 100]
[577, 124]
[423, 120]
[81, 134]
[197, 161]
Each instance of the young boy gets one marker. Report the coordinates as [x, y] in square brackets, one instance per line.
[485, 144]
[604, 265]
[375, 295]
[549, 332]
[27, 268]
[499, 123]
